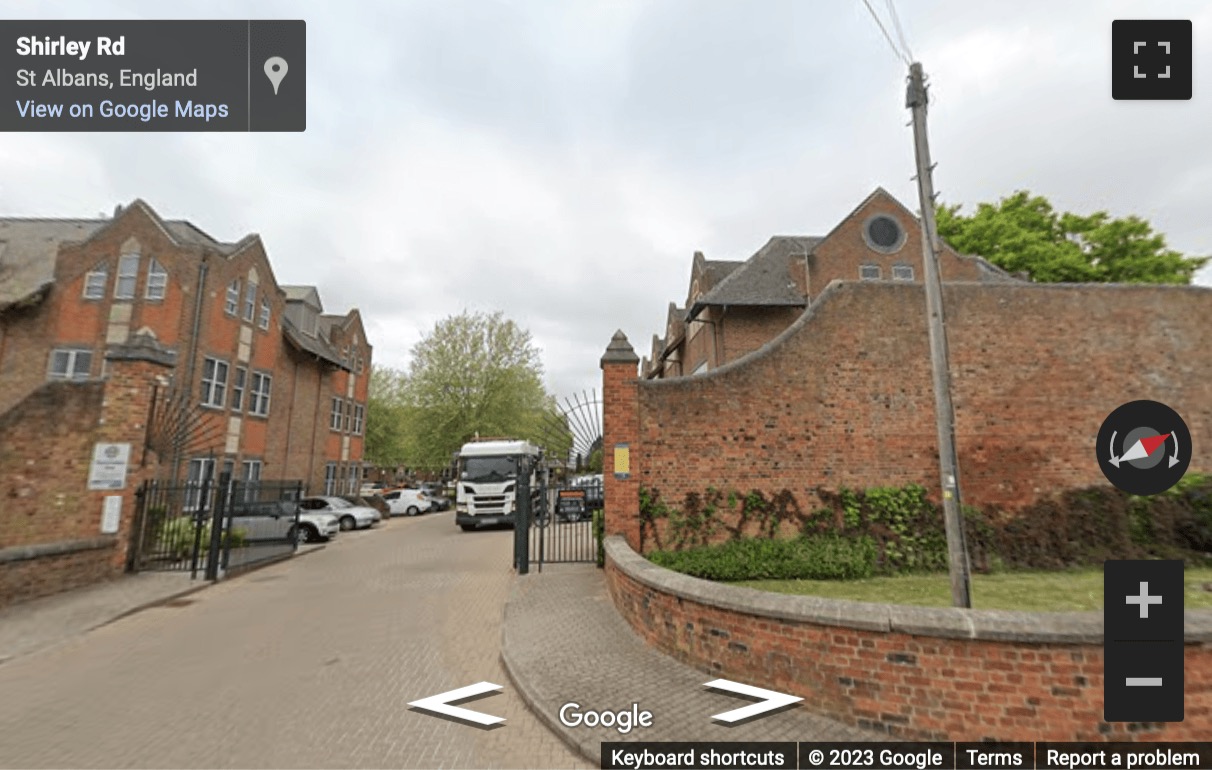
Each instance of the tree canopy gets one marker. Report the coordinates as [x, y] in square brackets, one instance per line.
[475, 373]
[1024, 233]
[386, 418]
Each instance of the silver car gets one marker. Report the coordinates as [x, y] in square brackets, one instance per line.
[348, 515]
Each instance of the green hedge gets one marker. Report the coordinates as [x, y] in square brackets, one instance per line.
[897, 530]
[816, 557]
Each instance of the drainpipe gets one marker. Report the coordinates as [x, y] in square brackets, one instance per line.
[191, 363]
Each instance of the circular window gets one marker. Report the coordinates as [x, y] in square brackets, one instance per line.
[883, 233]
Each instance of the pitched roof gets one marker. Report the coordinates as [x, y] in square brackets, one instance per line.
[312, 345]
[764, 279]
[28, 249]
[716, 270]
[308, 294]
[30, 246]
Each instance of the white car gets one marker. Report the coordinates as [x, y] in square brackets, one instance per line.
[349, 516]
[408, 502]
[276, 520]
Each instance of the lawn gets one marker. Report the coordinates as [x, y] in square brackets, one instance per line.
[1076, 590]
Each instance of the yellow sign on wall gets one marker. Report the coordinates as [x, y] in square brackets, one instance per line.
[622, 461]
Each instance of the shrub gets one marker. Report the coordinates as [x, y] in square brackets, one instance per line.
[820, 557]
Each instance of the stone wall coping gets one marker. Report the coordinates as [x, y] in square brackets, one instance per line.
[18, 553]
[945, 622]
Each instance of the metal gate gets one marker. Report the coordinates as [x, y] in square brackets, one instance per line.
[564, 522]
[213, 526]
[569, 526]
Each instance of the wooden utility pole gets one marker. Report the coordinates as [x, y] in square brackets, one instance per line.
[957, 551]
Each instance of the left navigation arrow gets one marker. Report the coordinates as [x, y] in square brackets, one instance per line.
[440, 704]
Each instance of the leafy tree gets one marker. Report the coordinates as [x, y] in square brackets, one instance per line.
[1023, 233]
[386, 418]
[473, 374]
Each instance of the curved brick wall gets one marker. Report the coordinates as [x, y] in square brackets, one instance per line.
[920, 673]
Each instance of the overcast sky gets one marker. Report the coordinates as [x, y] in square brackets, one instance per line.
[562, 161]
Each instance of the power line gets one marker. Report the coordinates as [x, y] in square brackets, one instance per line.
[896, 24]
[899, 54]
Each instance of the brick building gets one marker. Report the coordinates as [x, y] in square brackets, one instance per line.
[734, 307]
[268, 385]
[826, 383]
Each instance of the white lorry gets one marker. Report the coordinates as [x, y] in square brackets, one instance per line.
[488, 481]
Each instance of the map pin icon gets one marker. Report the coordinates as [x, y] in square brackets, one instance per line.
[275, 70]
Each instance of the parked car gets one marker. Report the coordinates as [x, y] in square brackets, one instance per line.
[594, 498]
[349, 516]
[276, 520]
[408, 502]
[369, 489]
[436, 492]
[571, 505]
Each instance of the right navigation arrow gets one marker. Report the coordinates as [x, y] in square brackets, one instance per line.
[770, 700]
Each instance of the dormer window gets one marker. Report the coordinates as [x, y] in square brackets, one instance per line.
[95, 281]
[310, 318]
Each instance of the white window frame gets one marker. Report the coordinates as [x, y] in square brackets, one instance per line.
[334, 420]
[346, 416]
[864, 269]
[901, 270]
[232, 305]
[359, 413]
[263, 321]
[128, 272]
[72, 358]
[214, 384]
[94, 288]
[157, 280]
[353, 484]
[239, 383]
[250, 301]
[258, 393]
[330, 478]
[193, 484]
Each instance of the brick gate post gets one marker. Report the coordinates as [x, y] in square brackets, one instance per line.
[620, 436]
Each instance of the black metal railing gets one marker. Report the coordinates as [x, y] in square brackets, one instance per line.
[213, 526]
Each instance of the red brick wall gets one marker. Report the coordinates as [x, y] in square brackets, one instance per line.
[915, 686]
[32, 579]
[745, 329]
[44, 465]
[845, 398]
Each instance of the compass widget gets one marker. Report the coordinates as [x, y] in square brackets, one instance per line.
[1144, 447]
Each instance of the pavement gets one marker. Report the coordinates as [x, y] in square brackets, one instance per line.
[324, 653]
[564, 642]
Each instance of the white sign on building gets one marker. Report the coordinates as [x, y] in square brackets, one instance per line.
[108, 470]
[111, 514]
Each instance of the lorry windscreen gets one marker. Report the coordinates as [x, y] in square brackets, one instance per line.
[489, 468]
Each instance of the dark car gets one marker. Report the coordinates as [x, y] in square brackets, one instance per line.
[571, 505]
[435, 492]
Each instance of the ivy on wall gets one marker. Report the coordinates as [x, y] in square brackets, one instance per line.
[1083, 526]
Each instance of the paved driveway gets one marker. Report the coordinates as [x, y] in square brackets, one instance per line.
[309, 663]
